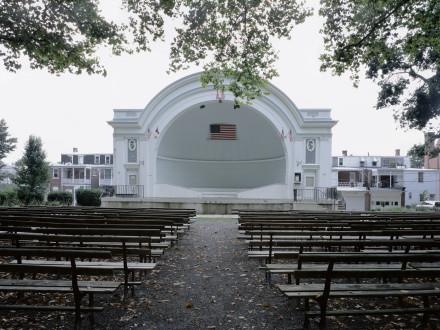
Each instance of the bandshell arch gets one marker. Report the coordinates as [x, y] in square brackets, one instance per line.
[177, 157]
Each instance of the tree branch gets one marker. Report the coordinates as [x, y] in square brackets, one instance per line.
[376, 25]
[412, 73]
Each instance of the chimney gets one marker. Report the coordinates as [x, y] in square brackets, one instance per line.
[429, 139]
[397, 152]
[344, 152]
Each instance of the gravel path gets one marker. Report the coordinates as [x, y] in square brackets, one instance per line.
[207, 282]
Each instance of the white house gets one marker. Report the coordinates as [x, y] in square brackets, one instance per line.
[369, 182]
[192, 142]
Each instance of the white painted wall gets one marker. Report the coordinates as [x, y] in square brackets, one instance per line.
[354, 200]
[275, 191]
[414, 188]
[389, 196]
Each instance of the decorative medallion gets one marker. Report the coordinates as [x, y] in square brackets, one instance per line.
[132, 145]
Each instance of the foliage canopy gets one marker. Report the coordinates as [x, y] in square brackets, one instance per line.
[228, 37]
[417, 155]
[398, 41]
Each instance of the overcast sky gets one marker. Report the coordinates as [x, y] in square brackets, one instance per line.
[70, 111]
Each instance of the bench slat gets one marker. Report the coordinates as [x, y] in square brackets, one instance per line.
[386, 311]
[51, 308]
[55, 283]
[54, 269]
[100, 264]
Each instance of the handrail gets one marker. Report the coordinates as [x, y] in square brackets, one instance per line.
[125, 191]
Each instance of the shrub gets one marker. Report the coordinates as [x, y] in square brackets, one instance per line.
[88, 197]
[54, 203]
[398, 209]
[28, 196]
[62, 197]
[8, 198]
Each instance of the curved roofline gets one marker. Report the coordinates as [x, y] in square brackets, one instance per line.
[282, 107]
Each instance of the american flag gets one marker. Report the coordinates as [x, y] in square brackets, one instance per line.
[223, 132]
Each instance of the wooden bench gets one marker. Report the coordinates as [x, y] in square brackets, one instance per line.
[117, 245]
[74, 286]
[268, 242]
[361, 265]
[388, 246]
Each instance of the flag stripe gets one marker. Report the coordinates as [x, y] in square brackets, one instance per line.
[223, 132]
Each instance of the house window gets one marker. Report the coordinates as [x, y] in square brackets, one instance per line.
[107, 159]
[341, 161]
[374, 163]
[377, 203]
[431, 197]
[410, 195]
[106, 174]
[55, 173]
[420, 176]
[96, 159]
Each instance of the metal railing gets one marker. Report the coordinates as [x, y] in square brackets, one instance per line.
[350, 184]
[76, 181]
[317, 194]
[128, 191]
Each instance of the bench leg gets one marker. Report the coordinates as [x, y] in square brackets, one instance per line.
[132, 286]
[78, 316]
[323, 318]
[306, 308]
[92, 315]
[426, 304]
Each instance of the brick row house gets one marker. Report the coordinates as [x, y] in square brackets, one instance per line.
[77, 171]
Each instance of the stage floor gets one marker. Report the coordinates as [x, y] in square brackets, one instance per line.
[214, 205]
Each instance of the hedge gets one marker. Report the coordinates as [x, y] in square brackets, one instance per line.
[88, 197]
[8, 198]
[63, 197]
